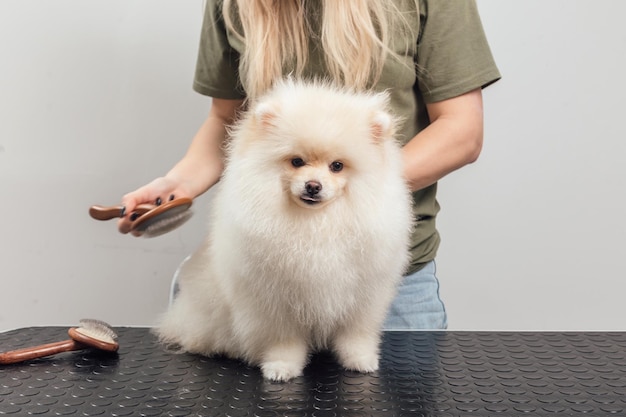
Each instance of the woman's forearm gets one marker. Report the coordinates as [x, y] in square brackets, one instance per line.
[202, 165]
[453, 140]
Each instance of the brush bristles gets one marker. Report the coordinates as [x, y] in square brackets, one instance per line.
[97, 329]
[167, 224]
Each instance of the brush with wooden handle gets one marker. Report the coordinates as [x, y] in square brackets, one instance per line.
[150, 219]
[91, 334]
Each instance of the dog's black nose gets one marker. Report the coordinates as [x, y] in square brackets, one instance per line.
[313, 187]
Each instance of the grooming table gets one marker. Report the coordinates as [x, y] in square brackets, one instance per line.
[432, 374]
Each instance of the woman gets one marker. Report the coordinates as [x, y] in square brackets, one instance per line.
[431, 55]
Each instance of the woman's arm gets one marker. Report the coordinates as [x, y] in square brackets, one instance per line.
[452, 140]
[197, 171]
[202, 165]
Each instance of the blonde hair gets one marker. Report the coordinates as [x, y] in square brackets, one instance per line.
[354, 37]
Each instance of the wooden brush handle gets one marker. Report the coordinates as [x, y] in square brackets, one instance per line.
[35, 352]
[112, 212]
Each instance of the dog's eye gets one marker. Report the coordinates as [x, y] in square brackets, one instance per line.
[336, 166]
[297, 162]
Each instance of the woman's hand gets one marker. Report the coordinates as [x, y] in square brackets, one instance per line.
[159, 191]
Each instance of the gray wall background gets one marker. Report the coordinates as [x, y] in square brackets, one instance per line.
[96, 99]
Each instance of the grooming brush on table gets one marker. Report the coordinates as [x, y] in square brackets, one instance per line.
[91, 334]
[150, 219]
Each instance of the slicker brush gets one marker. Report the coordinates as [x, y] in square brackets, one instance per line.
[150, 220]
[94, 334]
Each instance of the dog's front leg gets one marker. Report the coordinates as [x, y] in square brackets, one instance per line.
[357, 350]
[284, 361]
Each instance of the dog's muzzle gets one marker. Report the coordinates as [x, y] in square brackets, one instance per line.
[311, 194]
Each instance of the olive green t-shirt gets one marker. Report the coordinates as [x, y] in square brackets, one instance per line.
[446, 56]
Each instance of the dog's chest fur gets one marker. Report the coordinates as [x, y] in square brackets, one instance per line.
[310, 272]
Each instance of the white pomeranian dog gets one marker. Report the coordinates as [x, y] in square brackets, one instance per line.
[308, 236]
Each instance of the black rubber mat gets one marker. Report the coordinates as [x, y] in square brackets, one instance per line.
[432, 374]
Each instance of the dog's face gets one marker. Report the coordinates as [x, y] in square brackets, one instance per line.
[321, 146]
[315, 180]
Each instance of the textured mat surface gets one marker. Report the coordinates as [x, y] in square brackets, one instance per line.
[422, 374]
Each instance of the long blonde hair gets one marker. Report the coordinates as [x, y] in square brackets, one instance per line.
[354, 37]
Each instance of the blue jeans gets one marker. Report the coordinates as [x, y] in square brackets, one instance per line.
[417, 305]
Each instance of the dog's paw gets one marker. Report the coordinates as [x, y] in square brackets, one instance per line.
[280, 371]
[357, 353]
[365, 362]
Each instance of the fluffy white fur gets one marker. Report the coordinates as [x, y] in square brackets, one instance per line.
[308, 236]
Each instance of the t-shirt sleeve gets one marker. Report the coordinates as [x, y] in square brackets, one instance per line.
[453, 56]
[217, 73]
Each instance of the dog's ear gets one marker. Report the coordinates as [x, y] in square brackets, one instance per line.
[265, 114]
[381, 126]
